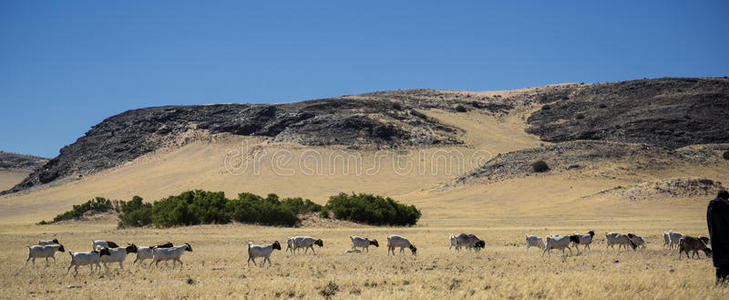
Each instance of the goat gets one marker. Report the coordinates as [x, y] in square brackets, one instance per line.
[690, 243]
[622, 240]
[43, 251]
[395, 241]
[172, 253]
[90, 258]
[262, 251]
[118, 255]
[103, 244]
[582, 239]
[48, 242]
[673, 238]
[470, 241]
[146, 252]
[558, 242]
[637, 240]
[534, 241]
[363, 243]
[307, 243]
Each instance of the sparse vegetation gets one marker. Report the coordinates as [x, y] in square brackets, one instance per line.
[540, 166]
[373, 210]
[97, 204]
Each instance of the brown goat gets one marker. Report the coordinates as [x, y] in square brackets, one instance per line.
[690, 243]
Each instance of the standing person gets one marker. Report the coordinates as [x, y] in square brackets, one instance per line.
[717, 217]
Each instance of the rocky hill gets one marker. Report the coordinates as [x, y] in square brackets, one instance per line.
[10, 160]
[668, 112]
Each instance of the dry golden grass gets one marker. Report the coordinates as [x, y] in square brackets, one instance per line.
[217, 266]
[11, 177]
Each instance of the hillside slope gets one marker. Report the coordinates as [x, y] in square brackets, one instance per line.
[670, 112]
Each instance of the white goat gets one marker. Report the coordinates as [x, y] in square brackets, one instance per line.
[622, 240]
[363, 243]
[43, 251]
[306, 242]
[90, 258]
[172, 253]
[146, 252]
[48, 242]
[558, 242]
[262, 251]
[118, 255]
[534, 241]
[396, 241]
[96, 244]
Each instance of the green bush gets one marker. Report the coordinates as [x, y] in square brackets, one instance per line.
[725, 155]
[97, 204]
[540, 166]
[371, 209]
[580, 116]
[201, 207]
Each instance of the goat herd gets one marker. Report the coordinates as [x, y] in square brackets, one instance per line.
[104, 252]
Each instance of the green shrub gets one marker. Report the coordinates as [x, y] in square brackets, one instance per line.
[580, 116]
[540, 166]
[201, 207]
[97, 204]
[725, 155]
[371, 209]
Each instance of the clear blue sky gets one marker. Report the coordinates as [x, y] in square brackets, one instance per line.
[67, 65]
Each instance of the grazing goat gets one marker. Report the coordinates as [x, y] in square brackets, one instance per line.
[673, 238]
[290, 244]
[558, 242]
[48, 242]
[395, 241]
[470, 241]
[96, 244]
[146, 252]
[306, 242]
[622, 240]
[118, 255]
[262, 251]
[534, 241]
[637, 240]
[43, 251]
[582, 239]
[690, 243]
[90, 258]
[364, 243]
[172, 253]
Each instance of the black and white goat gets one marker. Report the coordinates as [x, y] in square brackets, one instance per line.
[262, 251]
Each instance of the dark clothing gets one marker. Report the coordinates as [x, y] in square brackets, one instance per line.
[722, 275]
[717, 217]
